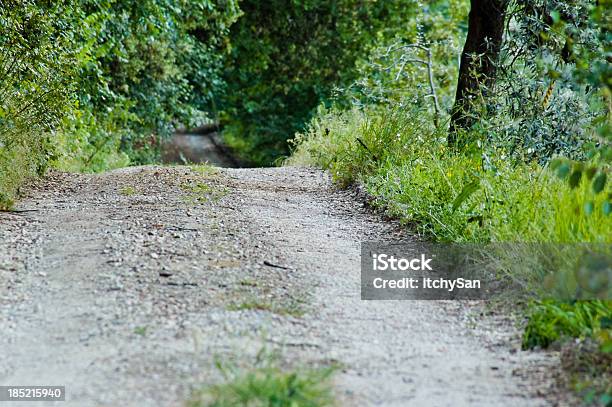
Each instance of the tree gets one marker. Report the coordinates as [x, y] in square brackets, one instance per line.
[478, 61]
[287, 57]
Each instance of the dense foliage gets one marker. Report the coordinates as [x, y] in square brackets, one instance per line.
[34, 89]
[143, 68]
[108, 80]
[286, 58]
[91, 85]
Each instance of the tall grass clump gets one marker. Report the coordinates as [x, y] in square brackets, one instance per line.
[268, 385]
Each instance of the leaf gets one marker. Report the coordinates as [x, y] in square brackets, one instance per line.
[599, 182]
[563, 170]
[553, 74]
[556, 163]
[575, 178]
[465, 193]
[578, 166]
[607, 208]
[556, 16]
[588, 207]
[590, 172]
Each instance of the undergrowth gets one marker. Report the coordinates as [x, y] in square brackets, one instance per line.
[268, 385]
[550, 321]
[475, 196]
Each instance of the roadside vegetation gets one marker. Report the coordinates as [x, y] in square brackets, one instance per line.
[94, 85]
[268, 384]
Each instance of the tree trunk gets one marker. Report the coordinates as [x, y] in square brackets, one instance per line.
[478, 61]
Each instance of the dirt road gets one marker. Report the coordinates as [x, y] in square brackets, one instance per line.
[126, 286]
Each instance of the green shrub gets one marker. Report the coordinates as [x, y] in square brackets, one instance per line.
[550, 321]
[287, 57]
[90, 85]
[34, 91]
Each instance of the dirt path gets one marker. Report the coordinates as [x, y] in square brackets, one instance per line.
[126, 287]
[197, 148]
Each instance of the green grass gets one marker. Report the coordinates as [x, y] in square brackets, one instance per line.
[293, 308]
[140, 330]
[550, 321]
[269, 386]
[18, 164]
[202, 192]
[201, 189]
[204, 170]
[127, 191]
[590, 372]
[411, 172]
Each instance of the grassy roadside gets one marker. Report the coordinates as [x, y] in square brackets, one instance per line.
[480, 196]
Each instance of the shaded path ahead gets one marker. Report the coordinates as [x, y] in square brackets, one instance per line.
[204, 147]
[125, 286]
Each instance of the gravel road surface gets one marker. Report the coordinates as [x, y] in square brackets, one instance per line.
[127, 286]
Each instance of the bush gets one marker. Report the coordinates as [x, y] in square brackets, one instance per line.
[550, 321]
[91, 85]
[34, 92]
[286, 58]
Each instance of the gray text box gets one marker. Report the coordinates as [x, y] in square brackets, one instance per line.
[32, 393]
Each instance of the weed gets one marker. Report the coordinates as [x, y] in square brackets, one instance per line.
[204, 170]
[201, 192]
[290, 307]
[268, 386]
[17, 166]
[591, 371]
[127, 191]
[550, 321]
[140, 330]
